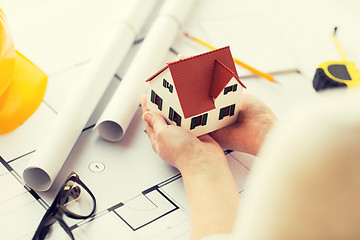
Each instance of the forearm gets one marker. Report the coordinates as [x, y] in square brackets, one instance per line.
[213, 198]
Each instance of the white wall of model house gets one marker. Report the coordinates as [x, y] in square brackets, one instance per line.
[170, 99]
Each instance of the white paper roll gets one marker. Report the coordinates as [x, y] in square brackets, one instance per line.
[51, 154]
[119, 112]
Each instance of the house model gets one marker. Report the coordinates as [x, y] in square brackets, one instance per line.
[200, 93]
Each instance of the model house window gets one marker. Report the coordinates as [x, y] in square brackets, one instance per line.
[199, 120]
[156, 100]
[166, 84]
[231, 88]
[173, 116]
[227, 111]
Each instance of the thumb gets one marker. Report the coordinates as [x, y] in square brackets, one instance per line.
[156, 121]
[207, 139]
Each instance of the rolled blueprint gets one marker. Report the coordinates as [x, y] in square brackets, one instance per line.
[80, 104]
[122, 107]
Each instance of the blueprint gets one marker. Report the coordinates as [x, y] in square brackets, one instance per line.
[139, 196]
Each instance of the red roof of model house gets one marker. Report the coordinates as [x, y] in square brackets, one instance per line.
[200, 79]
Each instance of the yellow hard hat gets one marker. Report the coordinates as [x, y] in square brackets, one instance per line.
[22, 84]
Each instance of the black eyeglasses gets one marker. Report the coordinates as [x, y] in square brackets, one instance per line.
[74, 199]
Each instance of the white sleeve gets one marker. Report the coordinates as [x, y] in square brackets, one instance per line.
[306, 182]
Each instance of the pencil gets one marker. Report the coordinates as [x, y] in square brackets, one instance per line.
[274, 73]
[267, 76]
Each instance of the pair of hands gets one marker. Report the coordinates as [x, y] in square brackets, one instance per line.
[180, 148]
[210, 187]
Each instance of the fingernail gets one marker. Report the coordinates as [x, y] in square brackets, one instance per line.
[146, 117]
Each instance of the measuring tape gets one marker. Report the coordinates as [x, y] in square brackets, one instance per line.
[332, 74]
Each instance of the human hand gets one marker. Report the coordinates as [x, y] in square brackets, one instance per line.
[248, 133]
[177, 146]
[210, 187]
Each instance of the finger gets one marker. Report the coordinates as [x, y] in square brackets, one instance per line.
[153, 124]
[150, 132]
[148, 128]
[144, 103]
[156, 121]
